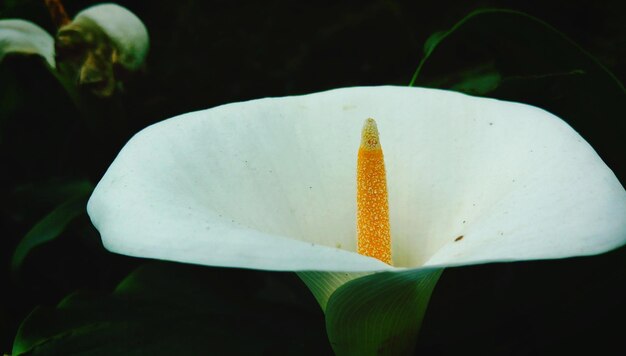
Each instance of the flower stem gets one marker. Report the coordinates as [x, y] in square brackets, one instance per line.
[57, 13]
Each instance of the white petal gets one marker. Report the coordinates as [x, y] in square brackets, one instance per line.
[20, 36]
[270, 184]
[514, 181]
[123, 27]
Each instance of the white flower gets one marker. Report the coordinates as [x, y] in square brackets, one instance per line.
[88, 51]
[270, 184]
[124, 29]
[20, 36]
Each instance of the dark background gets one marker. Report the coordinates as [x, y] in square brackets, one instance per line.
[206, 53]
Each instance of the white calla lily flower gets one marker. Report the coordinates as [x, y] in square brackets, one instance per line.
[128, 34]
[270, 184]
[88, 51]
[25, 37]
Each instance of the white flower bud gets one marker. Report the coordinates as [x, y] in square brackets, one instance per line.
[125, 29]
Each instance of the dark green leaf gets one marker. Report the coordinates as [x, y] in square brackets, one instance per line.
[512, 56]
[54, 191]
[173, 309]
[53, 224]
[432, 41]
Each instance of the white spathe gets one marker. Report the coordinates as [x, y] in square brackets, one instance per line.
[270, 184]
[123, 27]
[25, 37]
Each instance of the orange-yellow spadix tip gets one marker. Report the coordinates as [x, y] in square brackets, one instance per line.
[373, 234]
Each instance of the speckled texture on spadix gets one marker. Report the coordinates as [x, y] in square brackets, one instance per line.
[372, 213]
[270, 184]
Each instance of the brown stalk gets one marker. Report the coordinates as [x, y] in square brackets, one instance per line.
[57, 13]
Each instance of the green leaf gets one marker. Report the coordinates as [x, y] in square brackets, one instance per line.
[478, 81]
[510, 55]
[53, 224]
[380, 314]
[323, 284]
[432, 41]
[53, 191]
[174, 309]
